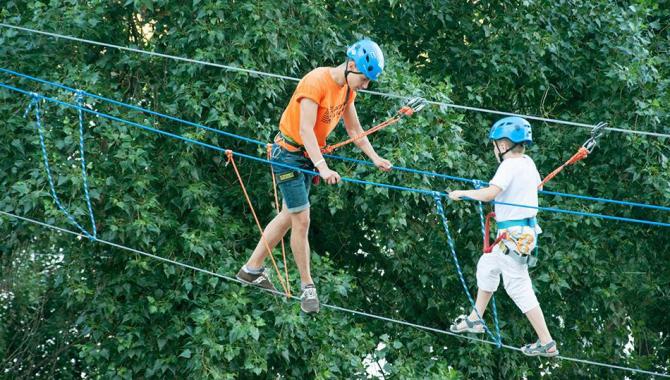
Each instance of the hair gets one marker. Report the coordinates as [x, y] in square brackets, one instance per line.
[519, 148]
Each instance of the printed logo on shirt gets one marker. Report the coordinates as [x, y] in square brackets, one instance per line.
[332, 113]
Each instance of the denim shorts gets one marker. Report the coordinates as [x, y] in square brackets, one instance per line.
[293, 184]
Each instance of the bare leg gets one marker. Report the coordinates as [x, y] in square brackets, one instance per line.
[273, 233]
[483, 298]
[300, 244]
[536, 318]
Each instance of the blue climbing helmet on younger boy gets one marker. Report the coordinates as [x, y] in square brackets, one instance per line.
[514, 128]
[368, 57]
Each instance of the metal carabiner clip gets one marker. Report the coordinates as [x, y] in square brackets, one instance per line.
[413, 105]
[596, 133]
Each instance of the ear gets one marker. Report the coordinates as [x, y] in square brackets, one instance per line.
[351, 66]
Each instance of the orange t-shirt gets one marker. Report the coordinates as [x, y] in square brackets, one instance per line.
[319, 86]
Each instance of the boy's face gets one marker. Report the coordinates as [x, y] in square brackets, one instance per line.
[357, 80]
[495, 150]
[499, 146]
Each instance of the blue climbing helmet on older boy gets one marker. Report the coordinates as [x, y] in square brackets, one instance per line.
[368, 58]
[514, 128]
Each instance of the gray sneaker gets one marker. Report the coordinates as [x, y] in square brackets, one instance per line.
[262, 280]
[309, 301]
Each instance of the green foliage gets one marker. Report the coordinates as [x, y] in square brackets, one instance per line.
[70, 306]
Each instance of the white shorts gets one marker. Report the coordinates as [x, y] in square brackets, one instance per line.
[516, 279]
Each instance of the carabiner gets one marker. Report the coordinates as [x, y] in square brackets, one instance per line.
[412, 105]
[596, 133]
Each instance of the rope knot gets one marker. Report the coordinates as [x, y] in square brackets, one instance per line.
[35, 98]
[229, 155]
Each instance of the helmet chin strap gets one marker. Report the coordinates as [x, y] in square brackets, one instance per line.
[346, 79]
[501, 155]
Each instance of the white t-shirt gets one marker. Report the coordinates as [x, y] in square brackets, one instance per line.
[518, 178]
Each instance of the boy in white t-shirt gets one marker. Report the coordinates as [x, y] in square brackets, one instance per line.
[515, 182]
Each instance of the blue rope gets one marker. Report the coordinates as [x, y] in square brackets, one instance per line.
[345, 179]
[440, 210]
[217, 148]
[580, 213]
[35, 103]
[472, 181]
[478, 185]
[361, 162]
[136, 108]
[80, 99]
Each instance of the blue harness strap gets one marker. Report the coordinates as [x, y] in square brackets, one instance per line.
[528, 222]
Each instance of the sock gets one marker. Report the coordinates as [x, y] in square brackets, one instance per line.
[249, 270]
[303, 285]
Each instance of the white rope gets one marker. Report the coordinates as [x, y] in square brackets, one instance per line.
[333, 307]
[272, 75]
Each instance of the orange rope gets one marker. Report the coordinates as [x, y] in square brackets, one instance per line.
[231, 160]
[488, 247]
[581, 154]
[331, 148]
[274, 188]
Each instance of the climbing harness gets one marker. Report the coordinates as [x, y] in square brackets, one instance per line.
[518, 247]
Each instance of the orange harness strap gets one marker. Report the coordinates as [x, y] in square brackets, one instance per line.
[488, 247]
[581, 154]
[330, 148]
[231, 160]
[413, 105]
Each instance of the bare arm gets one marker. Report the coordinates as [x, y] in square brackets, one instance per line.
[353, 127]
[486, 194]
[308, 112]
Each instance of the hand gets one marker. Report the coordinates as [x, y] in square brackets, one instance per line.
[382, 164]
[330, 176]
[456, 195]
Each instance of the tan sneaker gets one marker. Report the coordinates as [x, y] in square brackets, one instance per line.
[463, 324]
[262, 280]
[309, 301]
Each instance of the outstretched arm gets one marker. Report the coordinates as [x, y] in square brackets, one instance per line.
[353, 127]
[308, 112]
[486, 194]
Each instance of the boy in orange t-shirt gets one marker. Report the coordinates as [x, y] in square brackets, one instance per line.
[322, 98]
